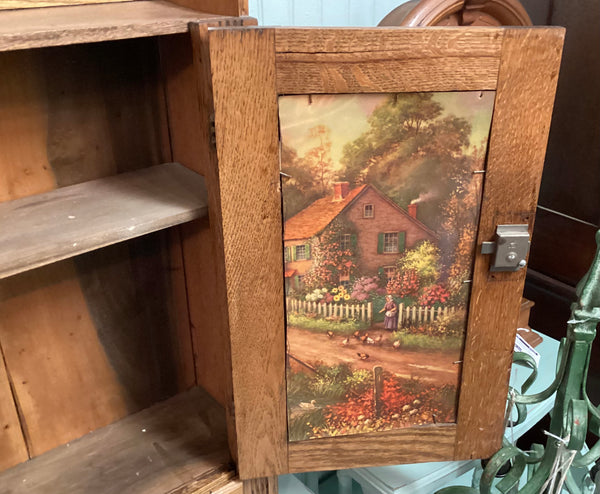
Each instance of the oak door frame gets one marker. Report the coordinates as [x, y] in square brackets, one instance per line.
[249, 69]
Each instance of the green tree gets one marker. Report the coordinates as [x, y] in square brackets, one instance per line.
[319, 159]
[299, 187]
[424, 260]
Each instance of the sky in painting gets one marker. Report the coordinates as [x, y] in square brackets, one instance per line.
[346, 116]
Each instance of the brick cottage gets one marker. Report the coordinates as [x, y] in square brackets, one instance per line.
[377, 228]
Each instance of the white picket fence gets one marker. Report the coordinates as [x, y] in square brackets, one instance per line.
[407, 315]
[416, 314]
[362, 312]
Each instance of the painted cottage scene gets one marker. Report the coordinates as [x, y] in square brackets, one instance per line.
[381, 198]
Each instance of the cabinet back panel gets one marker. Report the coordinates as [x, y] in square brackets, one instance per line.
[89, 340]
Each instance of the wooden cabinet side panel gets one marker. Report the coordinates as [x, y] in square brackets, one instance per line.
[526, 86]
[246, 192]
[188, 125]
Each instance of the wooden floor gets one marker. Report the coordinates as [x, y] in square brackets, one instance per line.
[177, 446]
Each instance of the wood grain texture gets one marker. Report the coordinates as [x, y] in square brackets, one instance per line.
[246, 192]
[264, 485]
[13, 448]
[525, 95]
[387, 76]
[386, 60]
[45, 228]
[419, 444]
[34, 28]
[221, 7]
[30, 4]
[428, 42]
[62, 378]
[174, 445]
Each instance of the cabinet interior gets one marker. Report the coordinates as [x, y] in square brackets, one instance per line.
[97, 328]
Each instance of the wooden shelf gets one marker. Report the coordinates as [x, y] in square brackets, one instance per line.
[55, 26]
[65, 222]
[176, 446]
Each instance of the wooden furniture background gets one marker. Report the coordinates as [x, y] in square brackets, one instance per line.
[520, 64]
[97, 325]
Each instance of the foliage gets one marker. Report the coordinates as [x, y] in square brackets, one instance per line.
[434, 295]
[359, 381]
[322, 325]
[424, 260]
[329, 259]
[452, 324]
[427, 342]
[404, 284]
[365, 287]
[405, 402]
[319, 159]
[300, 189]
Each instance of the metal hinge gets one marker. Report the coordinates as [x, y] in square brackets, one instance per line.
[211, 130]
[510, 247]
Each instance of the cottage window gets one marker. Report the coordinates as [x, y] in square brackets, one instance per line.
[301, 253]
[389, 272]
[345, 241]
[345, 279]
[368, 211]
[288, 254]
[390, 243]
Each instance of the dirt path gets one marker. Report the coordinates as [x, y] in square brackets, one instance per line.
[435, 366]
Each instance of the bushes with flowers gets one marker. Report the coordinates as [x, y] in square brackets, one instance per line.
[365, 288]
[344, 404]
[318, 324]
[330, 258]
[434, 295]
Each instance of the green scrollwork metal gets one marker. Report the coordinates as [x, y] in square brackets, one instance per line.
[574, 416]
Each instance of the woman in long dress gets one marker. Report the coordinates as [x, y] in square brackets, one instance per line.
[391, 314]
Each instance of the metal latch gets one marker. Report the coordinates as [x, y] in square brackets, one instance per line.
[510, 248]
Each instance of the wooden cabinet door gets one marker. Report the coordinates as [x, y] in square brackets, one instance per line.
[364, 122]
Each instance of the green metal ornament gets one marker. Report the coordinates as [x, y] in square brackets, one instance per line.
[565, 462]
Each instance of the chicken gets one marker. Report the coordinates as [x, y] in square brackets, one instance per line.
[396, 344]
[378, 339]
[363, 356]
[330, 334]
[369, 341]
[356, 334]
[345, 341]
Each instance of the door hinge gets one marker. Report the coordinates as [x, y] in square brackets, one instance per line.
[211, 130]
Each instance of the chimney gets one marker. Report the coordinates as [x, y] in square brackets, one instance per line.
[340, 190]
[412, 210]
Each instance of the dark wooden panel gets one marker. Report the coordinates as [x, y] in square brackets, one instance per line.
[571, 182]
[561, 247]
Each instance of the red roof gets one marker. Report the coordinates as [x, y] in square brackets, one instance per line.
[314, 218]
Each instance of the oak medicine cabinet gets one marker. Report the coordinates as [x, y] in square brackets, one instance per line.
[144, 277]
